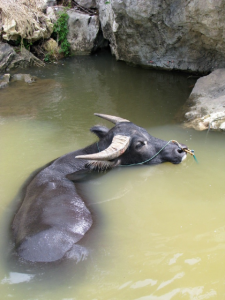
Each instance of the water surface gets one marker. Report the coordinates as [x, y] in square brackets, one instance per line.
[159, 232]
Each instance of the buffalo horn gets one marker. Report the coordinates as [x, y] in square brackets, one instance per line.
[112, 119]
[118, 146]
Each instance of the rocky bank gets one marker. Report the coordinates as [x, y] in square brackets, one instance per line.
[205, 108]
[187, 35]
[172, 35]
[184, 35]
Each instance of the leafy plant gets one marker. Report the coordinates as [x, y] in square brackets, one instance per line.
[61, 29]
[48, 57]
[26, 44]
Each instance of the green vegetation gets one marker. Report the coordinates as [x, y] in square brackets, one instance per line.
[23, 43]
[49, 57]
[61, 29]
[26, 44]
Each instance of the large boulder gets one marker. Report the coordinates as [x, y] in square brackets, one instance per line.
[83, 32]
[43, 30]
[22, 20]
[181, 35]
[206, 104]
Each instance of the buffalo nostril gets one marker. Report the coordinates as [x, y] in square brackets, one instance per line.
[181, 150]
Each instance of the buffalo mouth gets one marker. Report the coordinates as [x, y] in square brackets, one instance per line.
[184, 156]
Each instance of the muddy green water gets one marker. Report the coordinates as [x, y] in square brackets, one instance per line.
[159, 232]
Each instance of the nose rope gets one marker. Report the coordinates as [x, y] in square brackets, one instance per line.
[191, 152]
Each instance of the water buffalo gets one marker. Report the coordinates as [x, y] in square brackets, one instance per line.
[53, 218]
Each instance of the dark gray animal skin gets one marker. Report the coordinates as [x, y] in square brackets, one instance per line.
[53, 218]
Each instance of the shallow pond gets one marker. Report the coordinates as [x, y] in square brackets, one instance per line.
[159, 232]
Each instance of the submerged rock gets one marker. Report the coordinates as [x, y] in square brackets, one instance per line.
[24, 77]
[6, 78]
[207, 103]
[181, 35]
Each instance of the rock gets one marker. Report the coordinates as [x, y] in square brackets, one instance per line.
[207, 102]
[10, 32]
[172, 35]
[29, 23]
[43, 32]
[24, 77]
[87, 3]
[83, 32]
[51, 46]
[44, 4]
[51, 13]
[25, 59]
[4, 81]
[7, 54]
[9, 59]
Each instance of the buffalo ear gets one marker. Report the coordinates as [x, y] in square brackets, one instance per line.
[100, 131]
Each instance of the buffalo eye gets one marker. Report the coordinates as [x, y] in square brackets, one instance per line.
[140, 144]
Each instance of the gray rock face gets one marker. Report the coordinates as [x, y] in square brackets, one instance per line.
[208, 103]
[181, 35]
[83, 32]
[9, 59]
[7, 54]
[87, 3]
[25, 59]
[4, 81]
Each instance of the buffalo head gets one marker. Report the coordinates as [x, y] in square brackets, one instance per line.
[128, 144]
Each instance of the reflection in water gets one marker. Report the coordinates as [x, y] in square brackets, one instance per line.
[165, 283]
[175, 257]
[192, 261]
[140, 284]
[158, 231]
[191, 293]
[15, 278]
